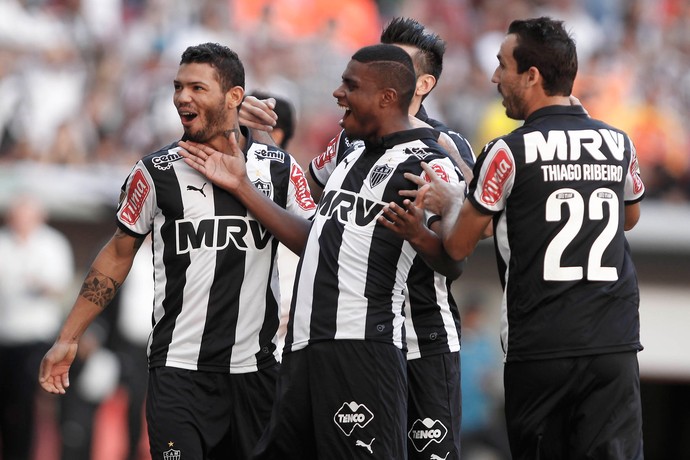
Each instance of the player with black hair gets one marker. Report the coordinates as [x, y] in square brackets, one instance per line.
[342, 391]
[284, 128]
[212, 353]
[561, 191]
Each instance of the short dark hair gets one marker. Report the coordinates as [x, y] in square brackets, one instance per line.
[286, 115]
[407, 31]
[545, 44]
[226, 62]
[394, 68]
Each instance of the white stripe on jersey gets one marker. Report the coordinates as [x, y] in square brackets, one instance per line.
[189, 326]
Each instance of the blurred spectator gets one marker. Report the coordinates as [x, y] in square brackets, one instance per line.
[36, 269]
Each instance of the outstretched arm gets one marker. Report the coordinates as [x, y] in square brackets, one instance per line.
[105, 276]
[229, 172]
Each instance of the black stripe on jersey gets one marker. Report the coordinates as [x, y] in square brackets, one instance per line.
[220, 325]
[169, 195]
[327, 276]
[424, 307]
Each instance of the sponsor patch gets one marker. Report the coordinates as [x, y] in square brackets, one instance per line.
[440, 172]
[164, 162]
[497, 175]
[138, 190]
[424, 432]
[302, 193]
[324, 158]
[271, 155]
[638, 186]
[352, 415]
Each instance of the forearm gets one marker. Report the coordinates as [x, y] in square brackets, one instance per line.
[430, 247]
[289, 229]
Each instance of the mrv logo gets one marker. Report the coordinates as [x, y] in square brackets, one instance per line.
[352, 415]
[217, 233]
[348, 207]
[424, 432]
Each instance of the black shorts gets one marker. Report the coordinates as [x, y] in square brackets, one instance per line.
[341, 399]
[434, 407]
[208, 415]
[583, 407]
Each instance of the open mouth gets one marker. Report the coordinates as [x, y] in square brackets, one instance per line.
[187, 117]
[347, 112]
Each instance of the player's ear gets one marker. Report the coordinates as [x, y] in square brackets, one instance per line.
[234, 97]
[388, 97]
[425, 83]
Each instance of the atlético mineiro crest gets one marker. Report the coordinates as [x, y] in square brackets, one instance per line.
[172, 454]
[265, 187]
[378, 174]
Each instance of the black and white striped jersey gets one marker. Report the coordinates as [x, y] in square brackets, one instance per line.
[557, 187]
[432, 320]
[216, 305]
[351, 278]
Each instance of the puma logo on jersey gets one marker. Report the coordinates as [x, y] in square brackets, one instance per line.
[436, 457]
[200, 190]
[366, 446]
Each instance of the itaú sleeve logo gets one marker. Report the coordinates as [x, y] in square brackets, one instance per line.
[424, 432]
[352, 415]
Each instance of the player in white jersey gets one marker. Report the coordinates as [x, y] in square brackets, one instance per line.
[342, 390]
[561, 190]
[213, 359]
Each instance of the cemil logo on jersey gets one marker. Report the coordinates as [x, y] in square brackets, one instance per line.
[424, 432]
[497, 175]
[271, 155]
[352, 415]
[164, 162]
[302, 193]
[136, 197]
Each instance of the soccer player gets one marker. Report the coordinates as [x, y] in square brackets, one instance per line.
[561, 191]
[432, 320]
[213, 360]
[342, 392]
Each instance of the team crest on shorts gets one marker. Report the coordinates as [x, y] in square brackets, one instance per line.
[265, 187]
[172, 454]
[352, 415]
[379, 174]
[424, 432]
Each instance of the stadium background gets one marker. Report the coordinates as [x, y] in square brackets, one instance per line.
[86, 89]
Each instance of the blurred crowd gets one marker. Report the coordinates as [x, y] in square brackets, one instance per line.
[90, 81]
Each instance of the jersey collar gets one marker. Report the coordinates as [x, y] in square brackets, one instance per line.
[577, 110]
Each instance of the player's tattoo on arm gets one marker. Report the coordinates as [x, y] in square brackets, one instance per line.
[99, 288]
